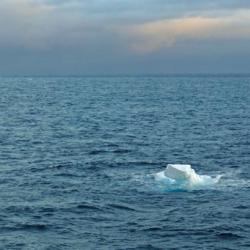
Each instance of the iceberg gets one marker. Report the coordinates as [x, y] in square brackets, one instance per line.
[183, 177]
[181, 172]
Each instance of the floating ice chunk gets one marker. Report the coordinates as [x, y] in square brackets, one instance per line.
[181, 172]
[183, 177]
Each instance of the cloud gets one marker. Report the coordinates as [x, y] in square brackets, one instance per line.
[40, 26]
[22, 21]
[107, 36]
[146, 25]
[153, 36]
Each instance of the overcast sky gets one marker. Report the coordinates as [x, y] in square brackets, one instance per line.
[112, 37]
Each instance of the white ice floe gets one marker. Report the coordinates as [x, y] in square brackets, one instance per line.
[179, 176]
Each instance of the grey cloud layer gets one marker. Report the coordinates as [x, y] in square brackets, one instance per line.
[111, 37]
[145, 10]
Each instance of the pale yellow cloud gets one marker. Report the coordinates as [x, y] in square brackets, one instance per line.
[152, 36]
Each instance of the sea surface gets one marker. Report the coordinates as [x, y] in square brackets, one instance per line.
[78, 158]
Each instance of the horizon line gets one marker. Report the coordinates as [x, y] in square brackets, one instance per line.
[128, 75]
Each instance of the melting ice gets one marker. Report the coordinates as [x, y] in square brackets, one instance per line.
[183, 177]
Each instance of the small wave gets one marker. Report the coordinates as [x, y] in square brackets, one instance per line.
[97, 152]
[115, 151]
[88, 206]
[31, 227]
[26, 227]
[228, 236]
[152, 229]
[122, 207]
[234, 180]
[145, 246]
[81, 207]
[121, 151]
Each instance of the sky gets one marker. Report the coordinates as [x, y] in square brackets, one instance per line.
[124, 37]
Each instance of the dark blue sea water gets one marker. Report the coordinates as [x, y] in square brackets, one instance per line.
[77, 157]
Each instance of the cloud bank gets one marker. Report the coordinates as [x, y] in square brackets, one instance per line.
[152, 36]
[119, 37]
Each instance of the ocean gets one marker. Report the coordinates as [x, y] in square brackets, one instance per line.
[78, 158]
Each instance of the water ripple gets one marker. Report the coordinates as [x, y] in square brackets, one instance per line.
[78, 157]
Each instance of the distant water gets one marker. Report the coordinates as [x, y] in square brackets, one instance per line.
[78, 155]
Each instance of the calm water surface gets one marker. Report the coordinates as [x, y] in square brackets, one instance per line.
[77, 157]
